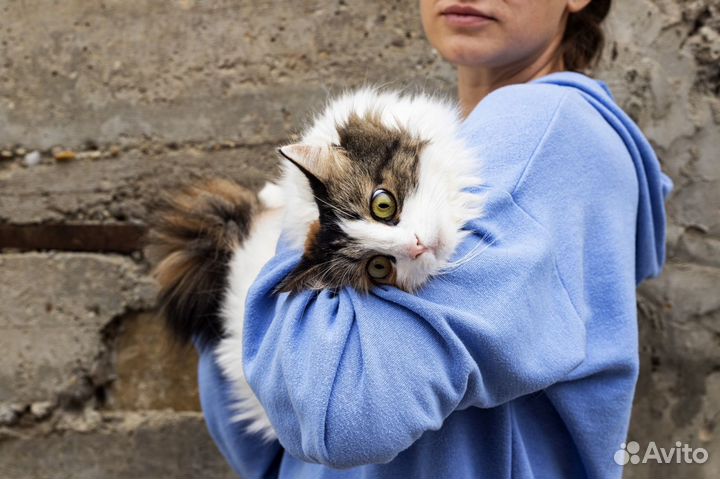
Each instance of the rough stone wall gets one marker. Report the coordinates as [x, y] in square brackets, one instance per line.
[123, 98]
[663, 64]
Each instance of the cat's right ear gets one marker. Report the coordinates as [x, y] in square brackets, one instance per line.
[309, 159]
[304, 277]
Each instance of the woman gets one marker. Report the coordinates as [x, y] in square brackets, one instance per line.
[524, 368]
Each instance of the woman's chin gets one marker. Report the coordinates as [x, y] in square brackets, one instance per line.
[459, 51]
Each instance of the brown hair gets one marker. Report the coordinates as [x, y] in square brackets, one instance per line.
[583, 40]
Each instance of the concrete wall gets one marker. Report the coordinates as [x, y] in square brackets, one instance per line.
[148, 95]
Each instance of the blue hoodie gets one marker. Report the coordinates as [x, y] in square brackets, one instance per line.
[520, 363]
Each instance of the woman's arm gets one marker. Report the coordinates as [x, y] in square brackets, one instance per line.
[349, 379]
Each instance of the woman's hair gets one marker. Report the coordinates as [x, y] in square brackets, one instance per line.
[584, 39]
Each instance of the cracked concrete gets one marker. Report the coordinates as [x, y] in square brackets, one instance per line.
[116, 189]
[63, 302]
[115, 445]
[662, 64]
[102, 70]
[152, 94]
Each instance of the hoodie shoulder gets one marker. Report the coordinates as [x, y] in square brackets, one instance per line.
[653, 185]
[586, 154]
[510, 125]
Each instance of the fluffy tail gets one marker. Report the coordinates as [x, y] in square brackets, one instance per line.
[192, 239]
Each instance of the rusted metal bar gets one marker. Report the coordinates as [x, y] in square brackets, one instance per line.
[102, 238]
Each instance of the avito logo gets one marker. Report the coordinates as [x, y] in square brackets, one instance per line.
[680, 454]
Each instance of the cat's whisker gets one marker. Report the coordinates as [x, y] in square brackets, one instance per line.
[340, 212]
[439, 277]
[469, 256]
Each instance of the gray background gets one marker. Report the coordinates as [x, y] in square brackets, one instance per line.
[150, 94]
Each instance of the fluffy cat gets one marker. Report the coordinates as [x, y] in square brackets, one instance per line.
[373, 194]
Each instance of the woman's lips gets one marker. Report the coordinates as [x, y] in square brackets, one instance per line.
[465, 16]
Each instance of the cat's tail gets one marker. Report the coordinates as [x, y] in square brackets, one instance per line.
[191, 241]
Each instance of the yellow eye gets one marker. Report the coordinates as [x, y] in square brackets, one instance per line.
[379, 267]
[383, 205]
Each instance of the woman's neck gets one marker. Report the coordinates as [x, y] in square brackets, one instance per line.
[475, 83]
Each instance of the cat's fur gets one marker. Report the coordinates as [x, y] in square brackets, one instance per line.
[406, 146]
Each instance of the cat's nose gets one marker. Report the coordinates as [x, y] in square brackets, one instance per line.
[417, 249]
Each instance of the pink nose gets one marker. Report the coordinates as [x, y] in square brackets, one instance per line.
[417, 249]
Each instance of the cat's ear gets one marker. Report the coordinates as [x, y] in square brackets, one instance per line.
[306, 276]
[311, 160]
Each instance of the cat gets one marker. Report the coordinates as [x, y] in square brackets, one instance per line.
[375, 193]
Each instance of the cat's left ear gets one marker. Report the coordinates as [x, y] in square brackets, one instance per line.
[312, 160]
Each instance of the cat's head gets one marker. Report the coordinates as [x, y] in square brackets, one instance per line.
[389, 200]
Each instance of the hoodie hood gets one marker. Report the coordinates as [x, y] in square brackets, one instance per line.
[654, 186]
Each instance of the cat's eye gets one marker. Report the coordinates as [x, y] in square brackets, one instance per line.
[383, 205]
[379, 267]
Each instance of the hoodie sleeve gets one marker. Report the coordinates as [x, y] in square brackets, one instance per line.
[350, 379]
[250, 456]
